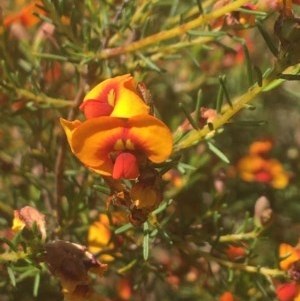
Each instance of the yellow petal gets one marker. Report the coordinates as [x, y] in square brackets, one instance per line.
[128, 102]
[18, 224]
[99, 234]
[120, 93]
[69, 128]
[289, 255]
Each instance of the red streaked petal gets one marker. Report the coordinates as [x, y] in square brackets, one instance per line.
[152, 136]
[116, 97]
[94, 108]
[101, 92]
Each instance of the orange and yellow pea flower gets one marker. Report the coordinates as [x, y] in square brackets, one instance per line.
[116, 97]
[100, 234]
[253, 168]
[290, 258]
[117, 147]
[289, 255]
[256, 166]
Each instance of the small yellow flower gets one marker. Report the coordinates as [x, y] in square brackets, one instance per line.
[100, 234]
[26, 217]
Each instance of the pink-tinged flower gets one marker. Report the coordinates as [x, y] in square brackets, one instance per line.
[118, 147]
[206, 115]
[116, 97]
[276, 5]
[269, 5]
[263, 213]
[234, 19]
[28, 217]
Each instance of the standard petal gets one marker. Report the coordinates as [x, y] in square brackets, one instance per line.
[128, 102]
[96, 108]
[116, 97]
[152, 136]
[102, 90]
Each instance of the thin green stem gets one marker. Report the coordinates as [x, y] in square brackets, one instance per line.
[171, 33]
[243, 267]
[238, 237]
[228, 112]
[57, 102]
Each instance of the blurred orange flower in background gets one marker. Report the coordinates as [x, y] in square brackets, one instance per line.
[289, 261]
[227, 296]
[256, 166]
[26, 15]
[100, 234]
